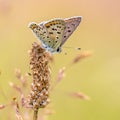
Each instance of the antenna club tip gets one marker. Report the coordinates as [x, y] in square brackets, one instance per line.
[78, 48]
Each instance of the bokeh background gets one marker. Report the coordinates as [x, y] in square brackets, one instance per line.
[97, 76]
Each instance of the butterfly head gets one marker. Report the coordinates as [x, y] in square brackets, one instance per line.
[32, 25]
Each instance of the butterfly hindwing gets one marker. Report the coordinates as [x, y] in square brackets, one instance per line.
[70, 24]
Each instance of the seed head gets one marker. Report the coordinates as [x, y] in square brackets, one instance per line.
[39, 65]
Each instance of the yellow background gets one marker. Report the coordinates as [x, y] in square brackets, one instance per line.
[97, 76]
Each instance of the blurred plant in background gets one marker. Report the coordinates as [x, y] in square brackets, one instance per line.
[40, 87]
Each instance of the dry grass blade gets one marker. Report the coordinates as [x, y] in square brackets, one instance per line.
[23, 79]
[45, 113]
[18, 73]
[2, 106]
[81, 56]
[61, 74]
[16, 105]
[17, 88]
[23, 100]
[80, 95]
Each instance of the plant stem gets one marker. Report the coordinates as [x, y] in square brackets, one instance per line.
[35, 116]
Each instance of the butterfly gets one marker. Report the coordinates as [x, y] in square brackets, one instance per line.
[54, 33]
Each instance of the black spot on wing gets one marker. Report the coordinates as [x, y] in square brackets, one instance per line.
[58, 26]
[53, 28]
[47, 26]
[50, 32]
[69, 30]
[58, 32]
[57, 37]
[73, 24]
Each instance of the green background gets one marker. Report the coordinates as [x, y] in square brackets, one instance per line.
[97, 76]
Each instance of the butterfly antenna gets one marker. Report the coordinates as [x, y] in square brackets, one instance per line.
[77, 48]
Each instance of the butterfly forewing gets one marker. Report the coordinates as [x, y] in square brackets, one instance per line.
[70, 24]
[44, 37]
[39, 31]
[55, 29]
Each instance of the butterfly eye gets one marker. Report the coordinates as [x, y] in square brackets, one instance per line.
[58, 49]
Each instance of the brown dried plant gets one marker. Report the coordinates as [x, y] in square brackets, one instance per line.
[39, 65]
[40, 87]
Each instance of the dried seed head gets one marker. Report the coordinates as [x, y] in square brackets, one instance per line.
[17, 109]
[2, 106]
[81, 56]
[23, 79]
[61, 74]
[17, 88]
[39, 60]
[80, 95]
[18, 73]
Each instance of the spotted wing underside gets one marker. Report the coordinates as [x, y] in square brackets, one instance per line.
[55, 29]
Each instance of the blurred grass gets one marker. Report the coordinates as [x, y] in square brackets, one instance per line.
[97, 76]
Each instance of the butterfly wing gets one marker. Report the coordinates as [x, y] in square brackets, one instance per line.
[44, 37]
[55, 29]
[54, 33]
[39, 31]
[71, 24]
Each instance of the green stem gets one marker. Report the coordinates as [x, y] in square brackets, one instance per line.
[35, 116]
